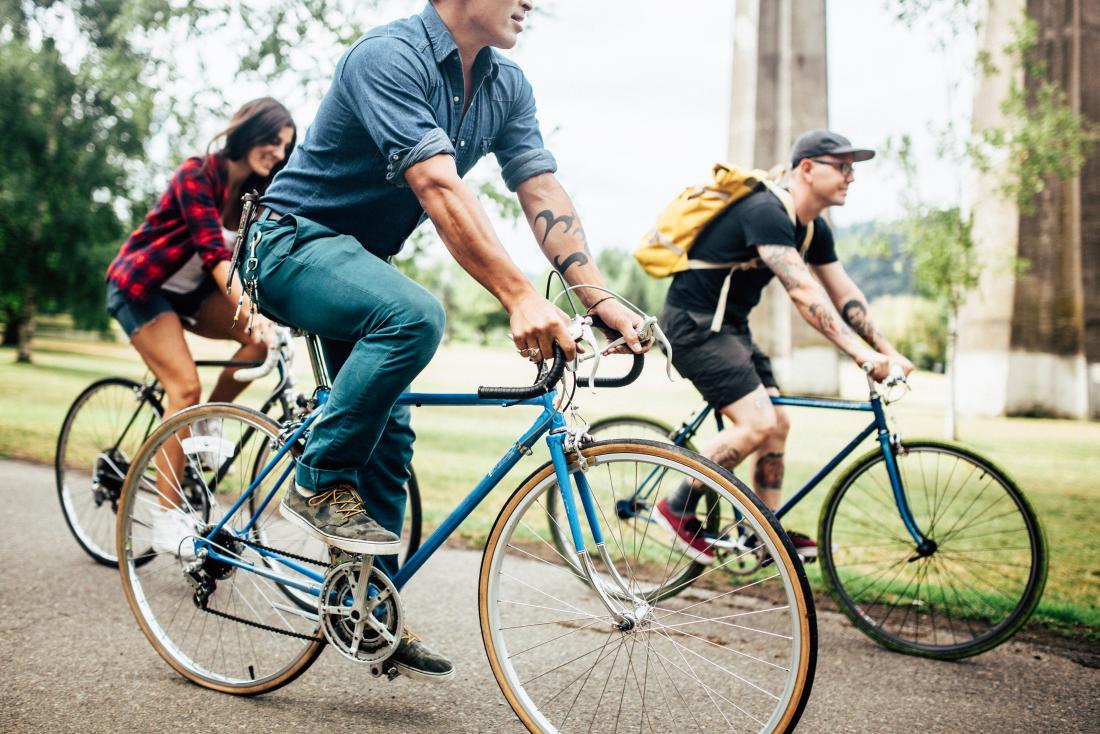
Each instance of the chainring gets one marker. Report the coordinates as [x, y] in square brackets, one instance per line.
[366, 635]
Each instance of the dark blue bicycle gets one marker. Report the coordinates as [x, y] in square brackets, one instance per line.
[928, 547]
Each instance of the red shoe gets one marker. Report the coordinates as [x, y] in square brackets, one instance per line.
[804, 545]
[687, 533]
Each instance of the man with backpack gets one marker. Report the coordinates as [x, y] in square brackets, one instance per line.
[766, 231]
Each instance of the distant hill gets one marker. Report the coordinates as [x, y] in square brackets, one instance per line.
[874, 260]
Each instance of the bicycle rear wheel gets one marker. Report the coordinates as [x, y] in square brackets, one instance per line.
[738, 658]
[971, 589]
[222, 626]
[102, 432]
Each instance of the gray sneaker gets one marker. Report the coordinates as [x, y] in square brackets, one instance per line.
[336, 516]
[418, 661]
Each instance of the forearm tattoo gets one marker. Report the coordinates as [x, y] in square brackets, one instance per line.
[826, 320]
[570, 224]
[768, 473]
[855, 313]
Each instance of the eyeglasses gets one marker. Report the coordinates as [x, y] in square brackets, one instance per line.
[846, 169]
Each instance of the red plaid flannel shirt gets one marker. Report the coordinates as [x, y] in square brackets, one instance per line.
[185, 220]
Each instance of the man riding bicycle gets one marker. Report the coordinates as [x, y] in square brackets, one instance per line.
[413, 105]
[718, 354]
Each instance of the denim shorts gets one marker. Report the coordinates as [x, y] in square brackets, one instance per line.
[133, 314]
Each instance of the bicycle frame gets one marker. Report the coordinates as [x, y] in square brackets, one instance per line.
[878, 424]
[549, 421]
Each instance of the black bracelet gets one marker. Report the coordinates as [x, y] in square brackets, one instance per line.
[597, 303]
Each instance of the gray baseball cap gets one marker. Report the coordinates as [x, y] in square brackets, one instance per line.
[813, 143]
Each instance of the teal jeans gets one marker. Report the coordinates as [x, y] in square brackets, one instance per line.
[378, 329]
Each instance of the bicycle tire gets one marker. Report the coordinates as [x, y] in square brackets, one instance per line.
[782, 603]
[414, 519]
[85, 440]
[275, 644]
[985, 613]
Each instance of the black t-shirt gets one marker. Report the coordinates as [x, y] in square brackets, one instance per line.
[758, 219]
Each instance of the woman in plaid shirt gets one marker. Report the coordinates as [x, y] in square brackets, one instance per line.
[172, 272]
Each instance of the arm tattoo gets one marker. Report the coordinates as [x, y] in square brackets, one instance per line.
[552, 221]
[855, 313]
[786, 263]
[824, 318]
[577, 258]
[569, 222]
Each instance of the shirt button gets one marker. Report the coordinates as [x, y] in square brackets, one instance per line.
[456, 99]
[395, 157]
[461, 143]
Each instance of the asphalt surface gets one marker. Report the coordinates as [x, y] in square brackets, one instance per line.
[74, 660]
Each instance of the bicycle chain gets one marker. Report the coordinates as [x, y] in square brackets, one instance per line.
[260, 625]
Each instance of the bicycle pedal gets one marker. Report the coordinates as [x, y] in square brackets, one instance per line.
[384, 668]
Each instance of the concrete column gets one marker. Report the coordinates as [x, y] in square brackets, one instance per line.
[1025, 342]
[779, 89]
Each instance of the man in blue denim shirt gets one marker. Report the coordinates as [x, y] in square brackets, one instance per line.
[413, 106]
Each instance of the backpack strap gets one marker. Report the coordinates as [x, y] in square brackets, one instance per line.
[785, 198]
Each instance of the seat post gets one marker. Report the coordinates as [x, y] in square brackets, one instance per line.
[317, 361]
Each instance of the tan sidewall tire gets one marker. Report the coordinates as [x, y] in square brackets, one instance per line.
[806, 614]
[309, 654]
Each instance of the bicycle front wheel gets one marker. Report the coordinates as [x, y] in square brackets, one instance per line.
[968, 591]
[222, 620]
[102, 432]
[738, 658]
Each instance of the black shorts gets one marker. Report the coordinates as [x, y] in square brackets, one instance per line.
[725, 365]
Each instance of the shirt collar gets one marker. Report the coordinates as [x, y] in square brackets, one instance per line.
[443, 43]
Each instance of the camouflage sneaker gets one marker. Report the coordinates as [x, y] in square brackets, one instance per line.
[418, 661]
[336, 517]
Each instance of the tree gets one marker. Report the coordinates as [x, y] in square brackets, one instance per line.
[72, 118]
[86, 83]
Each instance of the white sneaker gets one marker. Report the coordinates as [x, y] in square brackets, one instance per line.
[173, 533]
[207, 432]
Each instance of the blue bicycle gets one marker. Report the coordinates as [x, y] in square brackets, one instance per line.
[928, 547]
[576, 641]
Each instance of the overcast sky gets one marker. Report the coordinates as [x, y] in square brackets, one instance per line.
[633, 99]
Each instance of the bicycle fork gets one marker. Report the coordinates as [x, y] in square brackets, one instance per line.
[625, 618]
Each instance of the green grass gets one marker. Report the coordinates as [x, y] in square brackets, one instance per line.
[1055, 462]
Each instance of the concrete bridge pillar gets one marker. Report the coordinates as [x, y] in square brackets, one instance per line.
[1029, 343]
[780, 89]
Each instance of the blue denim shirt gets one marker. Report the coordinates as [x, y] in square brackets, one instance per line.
[395, 101]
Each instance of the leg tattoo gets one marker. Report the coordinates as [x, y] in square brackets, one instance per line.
[768, 473]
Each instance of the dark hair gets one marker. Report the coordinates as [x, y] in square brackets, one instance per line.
[258, 122]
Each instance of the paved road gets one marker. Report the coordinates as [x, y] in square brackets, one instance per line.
[73, 660]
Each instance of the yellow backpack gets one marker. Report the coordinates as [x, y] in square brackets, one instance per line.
[665, 249]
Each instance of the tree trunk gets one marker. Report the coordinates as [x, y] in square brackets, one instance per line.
[950, 428]
[12, 322]
[26, 325]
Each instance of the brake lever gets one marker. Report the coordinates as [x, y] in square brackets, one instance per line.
[580, 330]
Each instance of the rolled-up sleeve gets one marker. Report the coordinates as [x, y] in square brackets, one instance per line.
[389, 95]
[519, 148]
